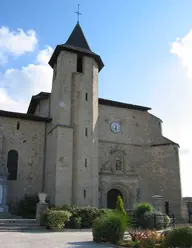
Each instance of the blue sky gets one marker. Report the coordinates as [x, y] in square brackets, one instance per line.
[137, 40]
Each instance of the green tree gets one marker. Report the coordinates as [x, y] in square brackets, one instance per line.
[120, 205]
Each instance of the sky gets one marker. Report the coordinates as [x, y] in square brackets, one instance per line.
[146, 47]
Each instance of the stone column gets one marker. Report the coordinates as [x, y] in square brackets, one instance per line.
[157, 202]
[4, 185]
[41, 206]
[134, 199]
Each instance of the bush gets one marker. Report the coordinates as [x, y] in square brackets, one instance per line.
[142, 208]
[87, 214]
[154, 220]
[132, 244]
[179, 237]
[56, 219]
[74, 222]
[166, 221]
[27, 206]
[110, 228]
[120, 206]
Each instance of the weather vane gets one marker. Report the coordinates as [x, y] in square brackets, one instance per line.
[78, 14]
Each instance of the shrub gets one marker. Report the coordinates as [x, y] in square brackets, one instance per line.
[155, 219]
[56, 219]
[166, 221]
[110, 228]
[74, 222]
[27, 206]
[142, 208]
[179, 237]
[97, 229]
[87, 214]
[129, 243]
[120, 205]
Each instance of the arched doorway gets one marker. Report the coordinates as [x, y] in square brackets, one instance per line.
[112, 198]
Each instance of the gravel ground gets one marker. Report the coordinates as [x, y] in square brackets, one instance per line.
[46, 239]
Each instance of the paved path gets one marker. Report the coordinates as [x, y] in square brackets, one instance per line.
[46, 239]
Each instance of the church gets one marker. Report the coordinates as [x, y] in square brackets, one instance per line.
[84, 150]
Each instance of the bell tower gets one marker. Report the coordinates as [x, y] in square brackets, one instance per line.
[74, 112]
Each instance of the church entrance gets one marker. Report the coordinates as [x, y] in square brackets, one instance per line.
[112, 198]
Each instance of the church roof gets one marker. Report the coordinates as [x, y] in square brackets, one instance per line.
[76, 43]
[35, 101]
[27, 116]
[122, 105]
[77, 38]
[45, 95]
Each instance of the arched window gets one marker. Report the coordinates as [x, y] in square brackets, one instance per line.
[12, 164]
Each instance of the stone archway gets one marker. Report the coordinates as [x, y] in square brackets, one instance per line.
[112, 198]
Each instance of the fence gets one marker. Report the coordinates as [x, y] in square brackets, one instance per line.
[156, 221]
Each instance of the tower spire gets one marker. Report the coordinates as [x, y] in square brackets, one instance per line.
[78, 14]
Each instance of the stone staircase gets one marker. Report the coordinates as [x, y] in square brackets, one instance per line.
[12, 223]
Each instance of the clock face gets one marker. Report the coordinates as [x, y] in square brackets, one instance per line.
[115, 127]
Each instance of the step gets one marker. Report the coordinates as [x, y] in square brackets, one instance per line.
[19, 224]
[9, 216]
[20, 228]
[21, 221]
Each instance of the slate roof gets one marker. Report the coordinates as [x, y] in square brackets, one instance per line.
[35, 101]
[77, 38]
[27, 116]
[45, 95]
[122, 105]
[76, 43]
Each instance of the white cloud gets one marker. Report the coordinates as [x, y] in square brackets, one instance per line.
[182, 47]
[44, 55]
[174, 105]
[16, 42]
[7, 103]
[18, 85]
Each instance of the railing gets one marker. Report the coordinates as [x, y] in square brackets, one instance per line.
[155, 222]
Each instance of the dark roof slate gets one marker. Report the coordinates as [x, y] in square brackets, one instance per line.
[77, 38]
[76, 43]
[122, 105]
[30, 117]
[35, 101]
[45, 95]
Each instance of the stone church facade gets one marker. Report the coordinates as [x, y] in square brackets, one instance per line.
[85, 150]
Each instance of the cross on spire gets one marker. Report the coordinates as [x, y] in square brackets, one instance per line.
[78, 14]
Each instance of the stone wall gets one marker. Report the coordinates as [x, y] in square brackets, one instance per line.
[186, 209]
[43, 108]
[137, 127]
[144, 152]
[28, 141]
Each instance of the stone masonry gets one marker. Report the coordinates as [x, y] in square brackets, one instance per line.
[67, 147]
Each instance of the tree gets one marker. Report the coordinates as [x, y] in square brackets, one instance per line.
[120, 205]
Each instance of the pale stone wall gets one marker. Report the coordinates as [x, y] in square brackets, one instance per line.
[64, 159]
[74, 182]
[186, 209]
[50, 170]
[60, 134]
[43, 108]
[149, 162]
[85, 115]
[157, 167]
[61, 88]
[28, 141]
[137, 127]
